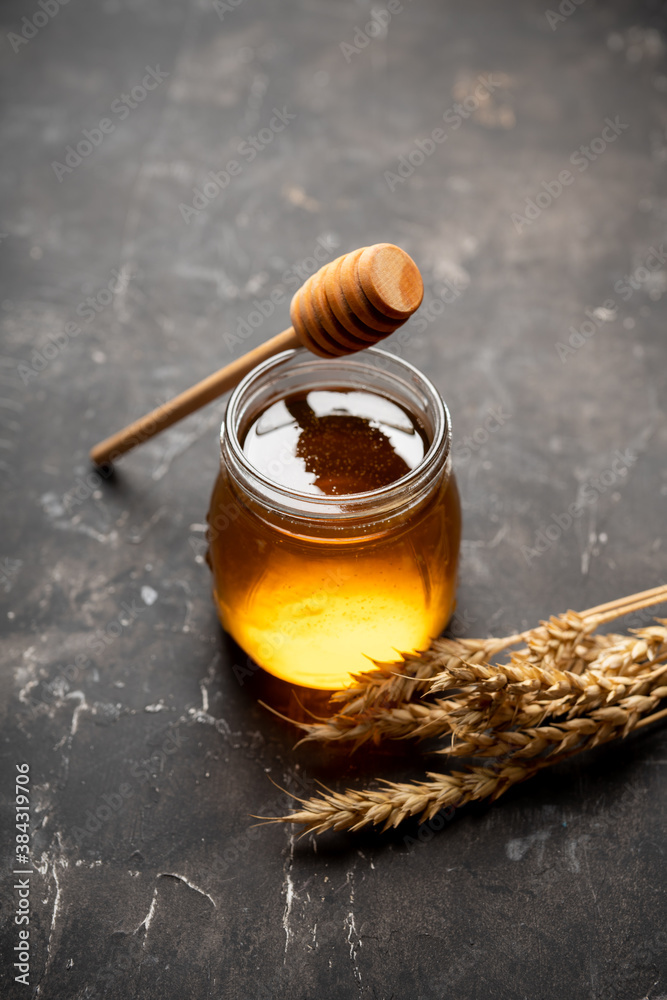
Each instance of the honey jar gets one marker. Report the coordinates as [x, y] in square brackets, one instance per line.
[335, 522]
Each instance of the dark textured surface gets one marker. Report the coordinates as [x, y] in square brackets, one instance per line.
[558, 890]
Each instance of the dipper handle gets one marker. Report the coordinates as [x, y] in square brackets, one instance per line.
[349, 304]
[187, 402]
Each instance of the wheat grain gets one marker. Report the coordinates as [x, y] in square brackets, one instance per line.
[468, 714]
[522, 692]
[391, 723]
[497, 711]
[392, 683]
[552, 642]
[394, 802]
[630, 654]
[559, 736]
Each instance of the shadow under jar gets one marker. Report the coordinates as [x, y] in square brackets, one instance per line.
[335, 521]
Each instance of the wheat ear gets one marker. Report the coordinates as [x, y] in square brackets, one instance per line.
[471, 713]
[393, 802]
[522, 692]
[392, 683]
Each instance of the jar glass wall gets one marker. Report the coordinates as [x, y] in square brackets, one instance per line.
[314, 587]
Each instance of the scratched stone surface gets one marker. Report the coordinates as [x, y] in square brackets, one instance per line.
[543, 326]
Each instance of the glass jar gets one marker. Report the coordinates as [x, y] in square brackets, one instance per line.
[315, 587]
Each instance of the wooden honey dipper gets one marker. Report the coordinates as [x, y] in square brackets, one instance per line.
[349, 304]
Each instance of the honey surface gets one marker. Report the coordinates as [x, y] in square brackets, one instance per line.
[334, 442]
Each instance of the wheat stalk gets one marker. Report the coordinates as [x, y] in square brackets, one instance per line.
[606, 686]
[471, 713]
[631, 654]
[394, 802]
[392, 683]
[559, 736]
[533, 690]
[521, 691]
[408, 719]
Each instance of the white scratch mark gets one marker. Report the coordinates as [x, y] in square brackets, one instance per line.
[180, 441]
[138, 534]
[148, 919]
[159, 706]
[25, 691]
[84, 529]
[498, 537]
[189, 884]
[354, 942]
[517, 848]
[588, 871]
[205, 719]
[288, 889]
[590, 545]
[572, 845]
[189, 606]
[58, 517]
[353, 938]
[54, 920]
[289, 899]
[81, 707]
[202, 715]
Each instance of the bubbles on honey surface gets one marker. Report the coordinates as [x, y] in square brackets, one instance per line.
[334, 442]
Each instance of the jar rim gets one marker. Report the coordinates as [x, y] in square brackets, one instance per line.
[299, 503]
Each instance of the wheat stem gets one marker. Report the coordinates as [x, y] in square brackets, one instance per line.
[522, 691]
[394, 802]
[653, 596]
[391, 683]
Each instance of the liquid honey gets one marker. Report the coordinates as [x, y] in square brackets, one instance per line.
[314, 604]
[335, 442]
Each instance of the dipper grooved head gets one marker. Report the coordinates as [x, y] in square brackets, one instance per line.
[356, 300]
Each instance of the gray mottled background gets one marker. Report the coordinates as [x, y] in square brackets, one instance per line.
[558, 890]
